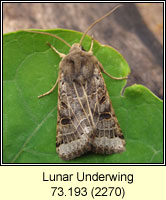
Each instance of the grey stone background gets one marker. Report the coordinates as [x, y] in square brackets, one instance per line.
[135, 30]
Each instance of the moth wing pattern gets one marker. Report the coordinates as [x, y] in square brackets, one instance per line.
[108, 134]
[73, 127]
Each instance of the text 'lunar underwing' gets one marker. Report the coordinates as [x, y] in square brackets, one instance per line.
[86, 120]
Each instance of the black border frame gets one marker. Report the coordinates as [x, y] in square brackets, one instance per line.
[83, 164]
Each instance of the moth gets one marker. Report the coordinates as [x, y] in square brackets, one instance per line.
[86, 119]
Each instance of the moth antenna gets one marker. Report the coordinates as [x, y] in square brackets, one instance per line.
[52, 35]
[98, 20]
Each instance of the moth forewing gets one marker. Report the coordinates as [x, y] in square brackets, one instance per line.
[109, 137]
[86, 120]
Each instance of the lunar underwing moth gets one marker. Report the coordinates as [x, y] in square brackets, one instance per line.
[86, 120]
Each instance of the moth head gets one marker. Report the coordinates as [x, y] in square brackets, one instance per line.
[76, 47]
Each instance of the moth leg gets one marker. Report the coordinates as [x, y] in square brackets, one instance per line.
[91, 46]
[52, 89]
[116, 78]
[53, 48]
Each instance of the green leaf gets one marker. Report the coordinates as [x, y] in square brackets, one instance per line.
[29, 124]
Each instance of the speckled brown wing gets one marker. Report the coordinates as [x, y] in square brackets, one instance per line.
[108, 135]
[74, 128]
